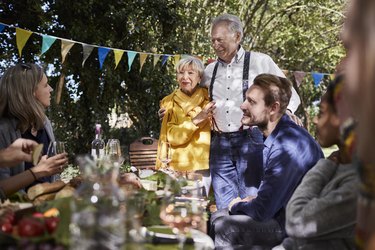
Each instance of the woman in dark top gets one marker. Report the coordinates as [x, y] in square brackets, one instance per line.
[24, 96]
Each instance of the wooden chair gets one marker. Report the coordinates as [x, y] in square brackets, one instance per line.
[142, 153]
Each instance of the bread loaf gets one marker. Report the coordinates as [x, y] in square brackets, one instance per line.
[44, 188]
[66, 191]
[43, 197]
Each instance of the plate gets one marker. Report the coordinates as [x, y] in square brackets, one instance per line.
[164, 234]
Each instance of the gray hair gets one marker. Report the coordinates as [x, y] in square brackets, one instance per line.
[233, 22]
[194, 62]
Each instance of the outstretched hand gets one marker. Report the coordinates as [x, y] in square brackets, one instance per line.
[20, 150]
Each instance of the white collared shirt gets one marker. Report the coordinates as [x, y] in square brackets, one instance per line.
[227, 89]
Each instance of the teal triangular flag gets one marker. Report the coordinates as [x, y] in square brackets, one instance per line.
[131, 56]
[164, 60]
[2, 26]
[317, 78]
[102, 54]
[47, 43]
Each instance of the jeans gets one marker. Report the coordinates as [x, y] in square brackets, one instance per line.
[236, 164]
[242, 232]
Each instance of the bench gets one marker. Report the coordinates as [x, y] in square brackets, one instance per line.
[143, 153]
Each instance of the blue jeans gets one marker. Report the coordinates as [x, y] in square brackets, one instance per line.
[236, 164]
[242, 232]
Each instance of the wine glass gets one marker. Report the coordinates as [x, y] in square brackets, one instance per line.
[165, 153]
[181, 215]
[114, 151]
[55, 148]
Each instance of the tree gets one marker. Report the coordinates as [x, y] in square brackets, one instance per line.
[299, 35]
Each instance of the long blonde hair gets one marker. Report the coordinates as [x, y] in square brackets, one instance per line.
[17, 100]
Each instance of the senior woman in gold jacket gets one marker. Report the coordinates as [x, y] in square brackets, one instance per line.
[186, 124]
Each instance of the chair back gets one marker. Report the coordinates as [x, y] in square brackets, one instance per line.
[143, 153]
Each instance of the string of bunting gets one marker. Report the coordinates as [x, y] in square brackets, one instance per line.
[22, 36]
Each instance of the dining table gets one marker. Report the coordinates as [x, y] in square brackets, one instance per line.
[150, 231]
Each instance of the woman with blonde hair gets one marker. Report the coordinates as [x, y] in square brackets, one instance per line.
[24, 96]
[186, 125]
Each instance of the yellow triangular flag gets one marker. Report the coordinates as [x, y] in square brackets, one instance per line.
[118, 55]
[332, 77]
[142, 60]
[156, 59]
[176, 59]
[21, 37]
[65, 47]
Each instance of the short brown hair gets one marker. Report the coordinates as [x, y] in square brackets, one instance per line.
[281, 93]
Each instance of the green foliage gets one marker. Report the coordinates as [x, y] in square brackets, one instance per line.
[298, 35]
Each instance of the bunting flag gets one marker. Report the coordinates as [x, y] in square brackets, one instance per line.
[142, 59]
[21, 37]
[156, 59]
[66, 45]
[102, 54]
[47, 43]
[298, 76]
[176, 59]
[131, 56]
[86, 52]
[317, 78]
[332, 77]
[118, 55]
[285, 72]
[164, 59]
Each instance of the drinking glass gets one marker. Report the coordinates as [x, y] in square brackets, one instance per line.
[114, 151]
[165, 153]
[181, 215]
[55, 148]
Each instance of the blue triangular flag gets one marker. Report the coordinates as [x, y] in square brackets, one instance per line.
[2, 26]
[102, 54]
[164, 60]
[317, 78]
[131, 55]
[47, 43]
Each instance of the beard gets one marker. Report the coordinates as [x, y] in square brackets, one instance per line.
[248, 120]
